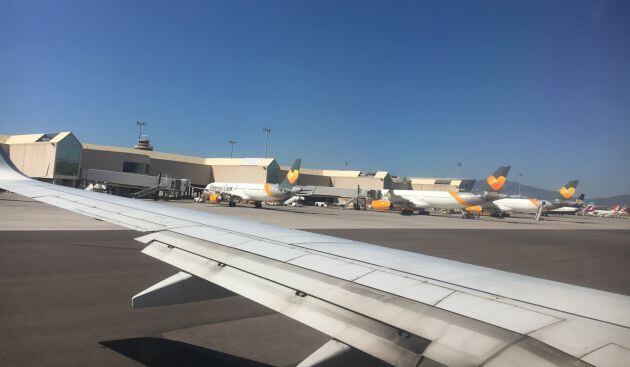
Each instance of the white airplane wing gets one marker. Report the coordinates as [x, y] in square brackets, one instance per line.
[406, 309]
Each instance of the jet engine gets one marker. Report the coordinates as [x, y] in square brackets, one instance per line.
[381, 204]
[215, 198]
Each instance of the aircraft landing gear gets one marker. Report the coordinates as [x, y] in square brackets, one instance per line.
[257, 204]
[406, 212]
[469, 215]
[232, 204]
[423, 212]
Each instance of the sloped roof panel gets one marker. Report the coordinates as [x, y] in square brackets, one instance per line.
[23, 139]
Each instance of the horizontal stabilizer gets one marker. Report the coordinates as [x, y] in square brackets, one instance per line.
[179, 288]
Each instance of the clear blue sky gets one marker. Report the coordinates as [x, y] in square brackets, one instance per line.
[406, 86]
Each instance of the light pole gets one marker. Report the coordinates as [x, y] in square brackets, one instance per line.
[266, 130]
[232, 143]
[140, 125]
[519, 183]
[459, 166]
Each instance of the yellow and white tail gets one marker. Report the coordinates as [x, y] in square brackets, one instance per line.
[292, 175]
[496, 181]
[567, 191]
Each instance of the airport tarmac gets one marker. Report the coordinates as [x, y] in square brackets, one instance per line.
[65, 291]
[311, 217]
[16, 215]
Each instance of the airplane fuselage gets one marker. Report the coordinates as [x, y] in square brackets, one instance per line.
[248, 191]
[418, 199]
[521, 205]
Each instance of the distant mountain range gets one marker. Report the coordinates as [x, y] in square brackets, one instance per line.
[511, 188]
[613, 200]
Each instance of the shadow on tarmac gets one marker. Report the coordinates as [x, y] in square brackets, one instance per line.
[158, 352]
[295, 211]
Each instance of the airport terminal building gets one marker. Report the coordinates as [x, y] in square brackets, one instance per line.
[63, 159]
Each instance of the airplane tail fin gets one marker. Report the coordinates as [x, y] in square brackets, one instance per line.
[496, 181]
[580, 199]
[567, 191]
[292, 175]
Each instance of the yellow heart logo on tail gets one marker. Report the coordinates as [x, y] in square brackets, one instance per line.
[567, 193]
[496, 183]
[292, 176]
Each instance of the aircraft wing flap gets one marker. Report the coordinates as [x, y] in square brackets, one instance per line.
[609, 355]
[346, 326]
[495, 312]
[215, 234]
[456, 339]
[531, 352]
[403, 286]
[580, 337]
[331, 266]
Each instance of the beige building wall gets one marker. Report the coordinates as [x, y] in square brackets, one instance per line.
[108, 160]
[342, 178]
[239, 174]
[365, 182]
[434, 187]
[199, 174]
[435, 184]
[309, 177]
[35, 160]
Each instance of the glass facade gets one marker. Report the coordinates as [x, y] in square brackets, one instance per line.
[68, 157]
[135, 167]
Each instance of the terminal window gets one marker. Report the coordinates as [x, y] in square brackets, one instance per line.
[67, 157]
[135, 167]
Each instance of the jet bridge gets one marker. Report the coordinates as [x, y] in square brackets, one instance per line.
[346, 196]
[136, 185]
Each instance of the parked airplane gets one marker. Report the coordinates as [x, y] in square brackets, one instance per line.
[615, 211]
[404, 308]
[259, 193]
[570, 208]
[410, 200]
[531, 205]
